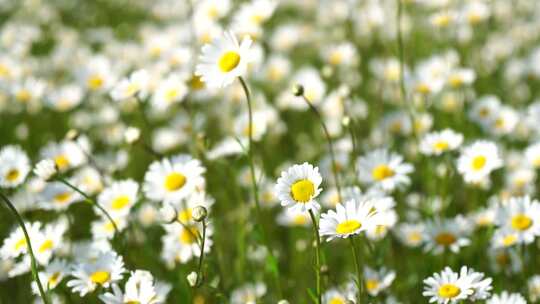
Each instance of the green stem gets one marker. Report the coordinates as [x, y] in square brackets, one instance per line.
[330, 145]
[93, 202]
[357, 266]
[30, 251]
[318, 255]
[254, 181]
[201, 257]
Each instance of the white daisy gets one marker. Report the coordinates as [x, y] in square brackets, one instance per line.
[103, 271]
[378, 280]
[447, 287]
[532, 154]
[119, 197]
[520, 215]
[139, 289]
[58, 196]
[349, 219]
[248, 293]
[51, 276]
[66, 154]
[224, 60]
[298, 187]
[507, 298]
[173, 179]
[478, 160]
[14, 166]
[437, 143]
[181, 242]
[384, 169]
[45, 169]
[136, 85]
[480, 285]
[448, 234]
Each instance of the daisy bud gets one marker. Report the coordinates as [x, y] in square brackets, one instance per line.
[298, 90]
[192, 279]
[132, 135]
[199, 213]
[46, 169]
[283, 302]
[346, 121]
[168, 213]
[72, 134]
[324, 269]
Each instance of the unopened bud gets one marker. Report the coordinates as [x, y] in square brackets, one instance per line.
[192, 279]
[199, 213]
[72, 134]
[132, 135]
[346, 121]
[283, 302]
[298, 90]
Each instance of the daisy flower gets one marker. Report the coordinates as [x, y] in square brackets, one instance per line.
[58, 196]
[447, 287]
[172, 179]
[533, 287]
[289, 218]
[520, 215]
[119, 197]
[66, 154]
[348, 219]
[106, 269]
[171, 90]
[139, 289]
[437, 143]
[14, 166]
[248, 293]
[532, 154]
[181, 244]
[478, 160]
[377, 280]
[224, 60]
[136, 85]
[448, 234]
[412, 235]
[384, 169]
[298, 187]
[15, 244]
[51, 276]
[507, 298]
[480, 285]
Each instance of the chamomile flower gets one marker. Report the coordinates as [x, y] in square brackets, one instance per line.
[447, 287]
[411, 235]
[478, 160]
[171, 90]
[181, 242]
[448, 234]
[520, 215]
[349, 219]
[66, 154]
[507, 298]
[49, 241]
[384, 169]
[15, 244]
[14, 166]
[224, 60]
[106, 269]
[45, 169]
[52, 275]
[480, 285]
[249, 293]
[532, 154]
[298, 187]
[139, 288]
[377, 280]
[58, 196]
[136, 85]
[119, 197]
[437, 143]
[289, 218]
[173, 179]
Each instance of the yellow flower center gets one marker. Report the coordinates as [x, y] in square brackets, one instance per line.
[382, 172]
[23, 95]
[20, 244]
[120, 202]
[299, 220]
[414, 237]
[61, 162]
[100, 277]
[47, 245]
[188, 235]
[445, 238]
[54, 279]
[335, 58]
[95, 82]
[441, 145]
[302, 190]
[196, 83]
[185, 215]
[229, 61]
[174, 181]
[521, 222]
[455, 81]
[478, 162]
[336, 300]
[171, 95]
[449, 291]
[62, 198]
[423, 89]
[349, 226]
[372, 284]
[509, 240]
[12, 175]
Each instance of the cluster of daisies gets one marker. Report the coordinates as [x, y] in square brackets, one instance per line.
[270, 151]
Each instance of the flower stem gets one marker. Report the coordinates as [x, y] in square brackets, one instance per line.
[89, 199]
[357, 266]
[201, 257]
[318, 255]
[254, 184]
[330, 145]
[30, 251]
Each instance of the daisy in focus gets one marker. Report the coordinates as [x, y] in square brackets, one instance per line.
[349, 219]
[478, 160]
[384, 169]
[298, 187]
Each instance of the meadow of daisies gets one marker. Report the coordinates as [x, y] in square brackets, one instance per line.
[269, 151]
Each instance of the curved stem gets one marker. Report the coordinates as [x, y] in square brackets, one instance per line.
[30, 251]
[254, 183]
[356, 265]
[201, 257]
[93, 202]
[330, 145]
[318, 255]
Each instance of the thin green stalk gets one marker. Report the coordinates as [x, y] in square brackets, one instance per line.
[330, 145]
[89, 199]
[254, 182]
[201, 257]
[318, 255]
[33, 265]
[357, 266]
